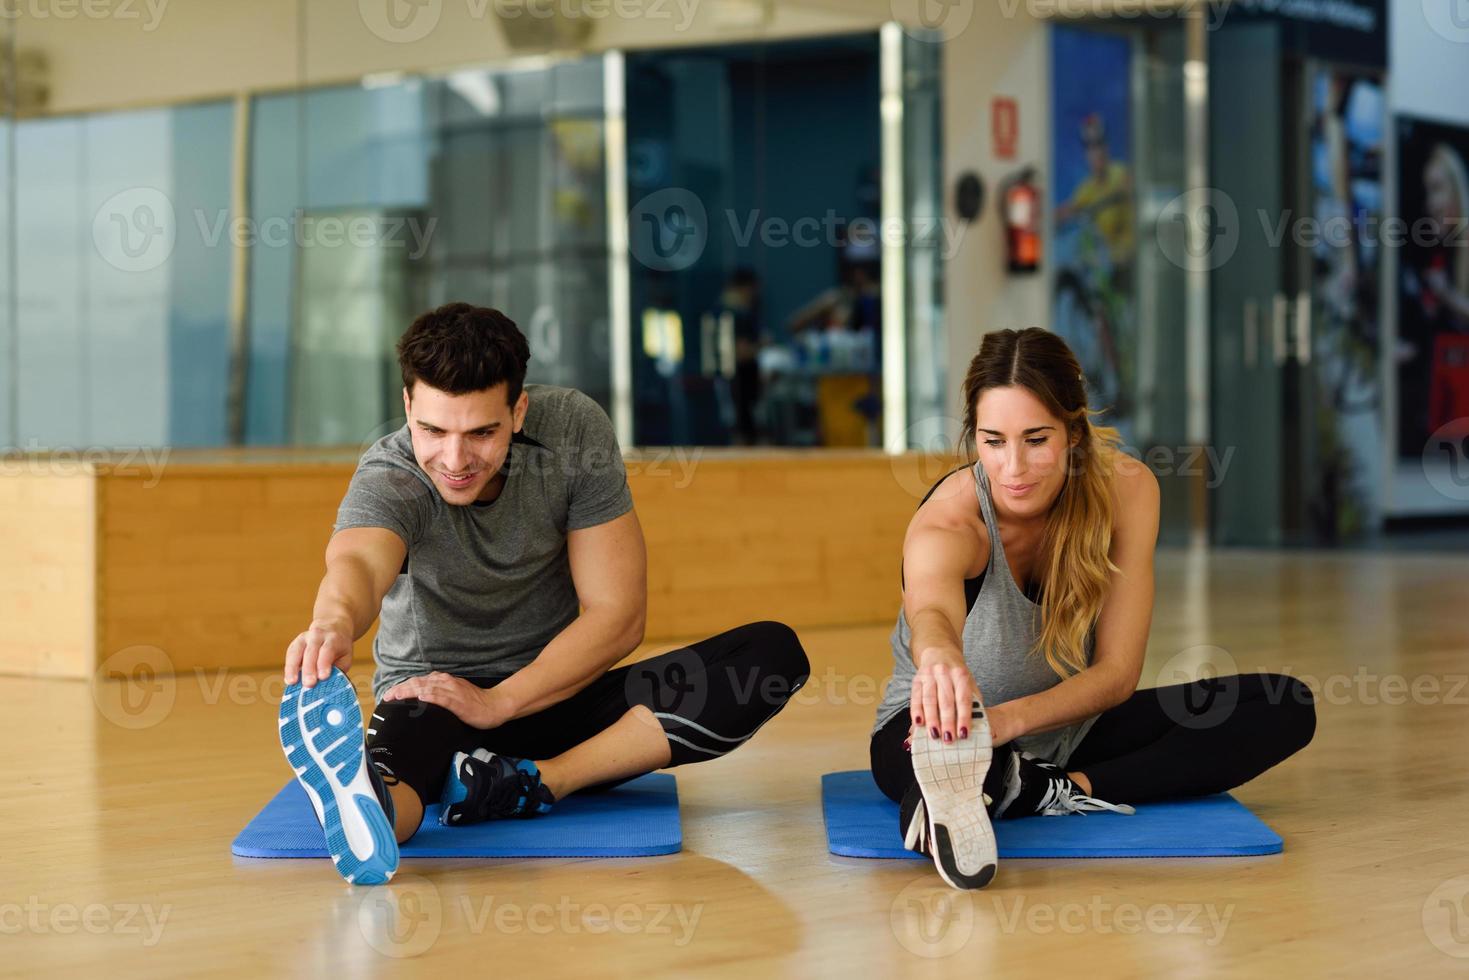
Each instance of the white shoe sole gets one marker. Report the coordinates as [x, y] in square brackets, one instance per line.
[951, 777]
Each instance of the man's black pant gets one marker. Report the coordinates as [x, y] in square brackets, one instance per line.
[710, 697]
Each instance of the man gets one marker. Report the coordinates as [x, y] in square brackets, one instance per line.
[496, 534]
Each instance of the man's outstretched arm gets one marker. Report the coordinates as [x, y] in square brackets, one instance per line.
[361, 566]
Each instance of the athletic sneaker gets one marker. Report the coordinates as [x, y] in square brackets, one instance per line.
[950, 822]
[321, 732]
[1035, 787]
[484, 786]
[913, 818]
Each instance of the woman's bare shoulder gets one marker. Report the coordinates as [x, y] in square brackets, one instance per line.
[952, 509]
[954, 502]
[1135, 491]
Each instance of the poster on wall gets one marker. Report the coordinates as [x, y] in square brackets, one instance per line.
[1432, 349]
[1347, 121]
[1093, 214]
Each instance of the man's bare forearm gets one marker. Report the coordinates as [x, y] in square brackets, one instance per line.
[579, 654]
[345, 597]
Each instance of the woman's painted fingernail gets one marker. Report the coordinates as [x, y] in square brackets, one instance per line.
[948, 736]
[934, 732]
[963, 733]
[917, 721]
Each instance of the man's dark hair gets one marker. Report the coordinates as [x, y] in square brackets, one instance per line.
[459, 348]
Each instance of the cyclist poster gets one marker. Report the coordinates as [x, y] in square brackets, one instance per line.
[1094, 222]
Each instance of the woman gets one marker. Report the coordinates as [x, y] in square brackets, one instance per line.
[1027, 596]
[1446, 201]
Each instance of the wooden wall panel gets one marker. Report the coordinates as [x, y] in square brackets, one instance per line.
[216, 564]
[47, 601]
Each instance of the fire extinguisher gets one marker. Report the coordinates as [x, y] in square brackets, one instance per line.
[1021, 206]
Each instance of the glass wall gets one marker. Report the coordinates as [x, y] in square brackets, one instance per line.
[1119, 277]
[123, 284]
[482, 186]
[8, 360]
[238, 272]
[753, 177]
[929, 245]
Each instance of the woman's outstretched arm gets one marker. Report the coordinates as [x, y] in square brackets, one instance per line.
[945, 542]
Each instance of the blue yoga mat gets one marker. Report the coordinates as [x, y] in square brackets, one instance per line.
[635, 819]
[861, 822]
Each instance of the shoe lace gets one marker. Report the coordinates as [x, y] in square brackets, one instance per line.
[507, 790]
[1061, 798]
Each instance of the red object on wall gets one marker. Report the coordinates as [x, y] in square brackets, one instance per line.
[1448, 391]
[1005, 126]
[1022, 209]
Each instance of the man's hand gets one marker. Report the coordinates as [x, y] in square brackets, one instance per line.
[475, 706]
[314, 653]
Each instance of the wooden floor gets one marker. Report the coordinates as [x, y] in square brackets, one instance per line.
[116, 857]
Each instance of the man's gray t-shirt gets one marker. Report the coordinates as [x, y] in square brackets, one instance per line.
[486, 586]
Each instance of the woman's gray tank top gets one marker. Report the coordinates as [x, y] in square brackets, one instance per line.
[999, 633]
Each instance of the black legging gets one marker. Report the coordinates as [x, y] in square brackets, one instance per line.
[1189, 739]
[710, 697]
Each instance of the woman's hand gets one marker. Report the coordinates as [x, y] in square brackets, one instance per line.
[475, 706]
[943, 694]
[1004, 725]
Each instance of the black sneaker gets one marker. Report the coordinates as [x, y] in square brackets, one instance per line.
[950, 822]
[484, 786]
[913, 819]
[1035, 787]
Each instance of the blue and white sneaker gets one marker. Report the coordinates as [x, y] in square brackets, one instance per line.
[321, 732]
[484, 786]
